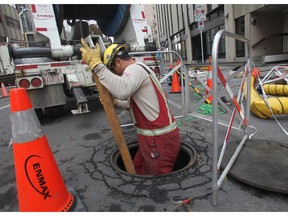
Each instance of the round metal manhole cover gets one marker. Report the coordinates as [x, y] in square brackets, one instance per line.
[260, 163]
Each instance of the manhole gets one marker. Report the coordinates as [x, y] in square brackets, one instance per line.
[185, 159]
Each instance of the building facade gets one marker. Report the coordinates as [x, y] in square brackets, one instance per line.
[150, 13]
[9, 23]
[265, 26]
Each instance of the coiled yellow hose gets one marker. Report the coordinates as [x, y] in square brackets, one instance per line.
[279, 105]
[276, 89]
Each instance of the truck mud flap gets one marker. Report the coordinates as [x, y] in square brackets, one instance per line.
[81, 100]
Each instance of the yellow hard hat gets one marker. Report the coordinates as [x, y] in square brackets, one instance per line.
[111, 51]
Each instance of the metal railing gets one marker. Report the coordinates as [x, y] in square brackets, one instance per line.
[216, 182]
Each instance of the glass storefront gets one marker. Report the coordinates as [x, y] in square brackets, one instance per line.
[179, 45]
[210, 35]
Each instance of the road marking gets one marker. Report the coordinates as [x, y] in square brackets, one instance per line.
[4, 107]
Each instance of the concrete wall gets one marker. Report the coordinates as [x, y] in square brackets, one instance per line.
[174, 29]
[268, 24]
[240, 10]
[230, 26]
[151, 21]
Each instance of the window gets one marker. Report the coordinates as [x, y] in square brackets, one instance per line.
[221, 11]
[240, 30]
[179, 45]
[210, 34]
[13, 23]
[193, 26]
[30, 37]
[213, 15]
[208, 43]
[222, 52]
[209, 8]
[218, 12]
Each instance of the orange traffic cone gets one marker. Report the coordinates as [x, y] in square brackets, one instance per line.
[39, 183]
[171, 66]
[4, 91]
[209, 83]
[255, 73]
[175, 84]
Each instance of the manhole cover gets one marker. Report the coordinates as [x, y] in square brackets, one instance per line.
[260, 163]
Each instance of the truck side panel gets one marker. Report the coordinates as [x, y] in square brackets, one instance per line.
[136, 28]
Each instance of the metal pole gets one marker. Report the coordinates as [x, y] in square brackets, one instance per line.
[202, 45]
[214, 120]
[215, 183]
[21, 24]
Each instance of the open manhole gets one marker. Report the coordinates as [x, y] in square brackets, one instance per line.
[186, 158]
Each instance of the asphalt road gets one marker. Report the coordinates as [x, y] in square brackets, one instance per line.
[83, 146]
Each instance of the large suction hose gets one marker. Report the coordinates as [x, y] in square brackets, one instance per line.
[110, 17]
[276, 89]
[278, 105]
[33, 52]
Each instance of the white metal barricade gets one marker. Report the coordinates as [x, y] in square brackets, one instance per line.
[244, 113]
[275, 74]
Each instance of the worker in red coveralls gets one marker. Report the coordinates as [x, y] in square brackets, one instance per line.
[137, 88]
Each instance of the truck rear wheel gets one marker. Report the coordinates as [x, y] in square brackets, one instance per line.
[55, 111]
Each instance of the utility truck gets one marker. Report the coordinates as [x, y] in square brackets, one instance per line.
[51, 69]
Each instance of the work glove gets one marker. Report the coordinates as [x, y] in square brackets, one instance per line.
[91, 56]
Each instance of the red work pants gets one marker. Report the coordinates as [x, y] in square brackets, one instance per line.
[157, 154]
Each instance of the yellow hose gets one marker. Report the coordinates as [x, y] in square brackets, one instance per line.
[279, 105]
[276, 89]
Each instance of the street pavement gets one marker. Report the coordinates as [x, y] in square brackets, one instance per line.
[83, 147]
